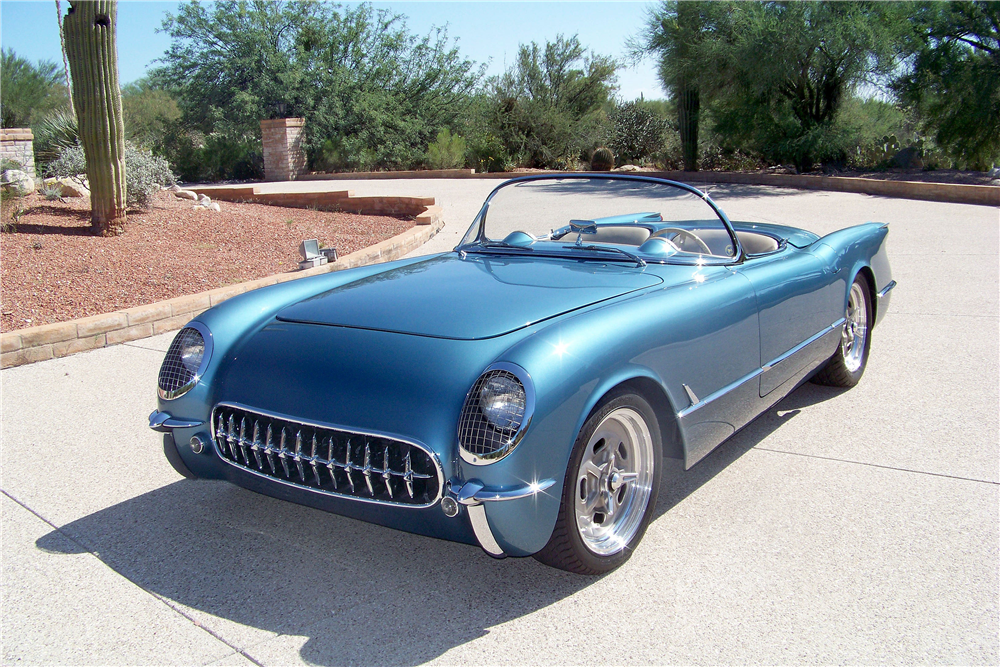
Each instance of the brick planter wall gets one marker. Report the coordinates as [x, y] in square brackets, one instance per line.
[423, 210]
[284, 159]
[17, 143]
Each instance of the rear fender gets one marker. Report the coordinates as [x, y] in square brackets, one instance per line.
[860, 250]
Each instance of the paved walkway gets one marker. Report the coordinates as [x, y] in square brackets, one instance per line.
[840, 527]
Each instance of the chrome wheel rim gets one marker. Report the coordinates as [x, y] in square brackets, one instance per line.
[855, 329]
[614, 481]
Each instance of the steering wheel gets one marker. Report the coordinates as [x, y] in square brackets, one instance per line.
[687, 234]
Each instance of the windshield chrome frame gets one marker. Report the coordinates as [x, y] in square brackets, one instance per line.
[738, 257]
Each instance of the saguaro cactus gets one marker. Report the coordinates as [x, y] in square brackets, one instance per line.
[89, 29]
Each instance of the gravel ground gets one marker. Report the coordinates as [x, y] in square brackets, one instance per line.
[52, 269]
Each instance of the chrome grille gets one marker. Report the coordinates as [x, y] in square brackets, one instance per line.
[476, 434]
[175, 376]
[332, 461]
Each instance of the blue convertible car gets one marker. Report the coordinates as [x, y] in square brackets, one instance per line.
[521, 391]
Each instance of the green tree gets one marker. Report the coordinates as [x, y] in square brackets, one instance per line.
[361, 80]
[954, 83]
[776, 73]
[28, 92]
[550, 106]
[675, 32]
[149, 112]
[91, 48]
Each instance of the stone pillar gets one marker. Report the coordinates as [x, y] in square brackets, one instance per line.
[284, 159]
[16, 143]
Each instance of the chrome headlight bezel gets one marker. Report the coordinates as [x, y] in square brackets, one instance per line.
[175, 356]
[475, 422]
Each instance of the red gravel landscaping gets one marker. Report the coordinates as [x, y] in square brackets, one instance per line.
[52, 268]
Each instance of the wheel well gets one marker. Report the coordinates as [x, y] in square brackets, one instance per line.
[869, 277]
[657, 398]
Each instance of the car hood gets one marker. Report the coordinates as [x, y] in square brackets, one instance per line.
[470, 298]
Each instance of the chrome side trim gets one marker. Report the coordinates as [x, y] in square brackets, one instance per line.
[693, 397]
[353, 466]
[481, 527]
[808, 341]
[887, 289]
[756, 373]
[163, 422]
[720, 393]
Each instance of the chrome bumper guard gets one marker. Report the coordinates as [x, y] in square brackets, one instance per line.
[164, 423]
[885, 290]
[474, 493]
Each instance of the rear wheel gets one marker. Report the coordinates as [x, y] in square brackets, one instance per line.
[847, 365]
[610, 488]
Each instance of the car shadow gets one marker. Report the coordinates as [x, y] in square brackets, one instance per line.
[678, 483]
[360, 593]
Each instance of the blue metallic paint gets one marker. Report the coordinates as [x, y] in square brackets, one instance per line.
[405, 370]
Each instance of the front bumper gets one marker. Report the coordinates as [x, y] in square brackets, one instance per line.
[472, 495]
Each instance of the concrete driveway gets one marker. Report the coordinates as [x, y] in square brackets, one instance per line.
[852, 526]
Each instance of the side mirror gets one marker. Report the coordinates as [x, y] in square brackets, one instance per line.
[582, 227]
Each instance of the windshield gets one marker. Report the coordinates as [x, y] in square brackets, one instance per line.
[615, 218]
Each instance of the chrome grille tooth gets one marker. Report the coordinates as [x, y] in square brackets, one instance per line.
[231, 434]
[269, 449]
[243, 439]
[283, 453]
[408, 474]
[220, 432]
[255, 445]
[367, 469]
[330, 463]
[238, 431]
[386, 473]
[312, 461]
[297, 457]
[348, 466]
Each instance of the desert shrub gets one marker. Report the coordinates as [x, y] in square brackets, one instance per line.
[487, 154]
[50, 191]
[144, 172]
[447, 151]
[635, 133]
[6, 164]
[11, 209]
[195, 157]
[54, 133]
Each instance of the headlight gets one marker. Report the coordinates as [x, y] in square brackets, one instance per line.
[186, 360]
[496, 414]
[501, 400]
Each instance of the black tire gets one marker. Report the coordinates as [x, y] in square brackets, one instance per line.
[847, 365]
[632, 500]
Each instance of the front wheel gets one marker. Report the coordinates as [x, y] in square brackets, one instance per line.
[847, 365]
[610, 488]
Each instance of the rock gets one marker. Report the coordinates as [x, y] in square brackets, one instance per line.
[627, 167]
[204, 200]
[907, 158]
[214, 207]
[17, 179]
[186, 194]
[994, 172]
[173, 188]
[69, 187]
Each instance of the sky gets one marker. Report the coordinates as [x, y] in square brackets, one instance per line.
[487, 32]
